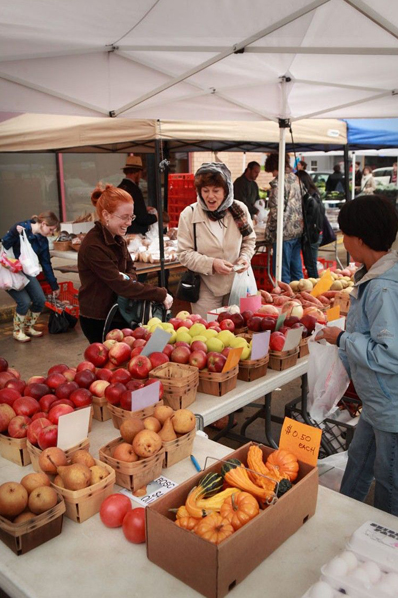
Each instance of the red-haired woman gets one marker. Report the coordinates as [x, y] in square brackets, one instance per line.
[104, 262]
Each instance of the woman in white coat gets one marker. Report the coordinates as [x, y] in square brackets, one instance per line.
[224, 236]
[368, 183]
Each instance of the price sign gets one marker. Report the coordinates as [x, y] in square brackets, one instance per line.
[154, 490]
[301, 440]
[232, 359]
[333, 313]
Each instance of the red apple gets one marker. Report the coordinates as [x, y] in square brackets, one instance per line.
[195, 317]
[290, 321]
[115, 335]
[139, 367]
[97, 354]
[168, 349]
[47, 437]
[204, 322]
[139, 342]
[127, 332]
[283, 330]
[180, 354]
[198, 359]
[247, 314]
[86, 365]
[226, 351]
[214, 325]
[36, 390]
[215, 361]
[134, 384]
[98, 387]
[158, 358]
[70, 374]
[36, 380]
[125, 399]
[59, 369]
[3, 364]
[254, 323]
[9, 395]
[84, 378]
[120, 375]
[223, 315]
[182, 344]
[136, 351]
[62, 402]
[113, 392]
[35, 427]
[18, 385]
[119, 353]
[176, 323]
[46, 401]
[188, 323]
[111, 342]
[140, 332]
[81, 397]
[104, 374]
[238, 320]
[277, 341]
[14, 372]
[56, 412]
[7, 413]
[309, 322]
[268, 323]
[26, 406]
[18, 426]
[227, 324]
[161, 389]
[5, 377]
[38, 415]
[64, 390]
[198, 346]
[55, 379]
[129, 340]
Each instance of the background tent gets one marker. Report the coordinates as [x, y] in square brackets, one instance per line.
[373, 133]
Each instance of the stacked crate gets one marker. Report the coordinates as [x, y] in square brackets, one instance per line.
[181, 193]
[259, 264]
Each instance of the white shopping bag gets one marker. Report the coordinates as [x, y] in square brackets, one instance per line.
[327, 378]
[244, 284]
[28, 258]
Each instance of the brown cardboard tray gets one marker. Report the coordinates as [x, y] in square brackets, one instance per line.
[15, 450]
[180, 383]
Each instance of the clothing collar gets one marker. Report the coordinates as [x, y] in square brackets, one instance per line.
[379, 268]
[108, 237]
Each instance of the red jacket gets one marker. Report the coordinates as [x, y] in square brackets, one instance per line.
[101, 258]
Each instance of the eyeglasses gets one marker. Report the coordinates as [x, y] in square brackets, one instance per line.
[126, 218]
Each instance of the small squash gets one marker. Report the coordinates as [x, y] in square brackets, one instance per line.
[239, 509]
[208, 485]
[188, 523]
[214, 528]
[286, 462]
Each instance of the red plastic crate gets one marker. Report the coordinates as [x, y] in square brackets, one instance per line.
[181, 188]
[67, 292]
[332, 264]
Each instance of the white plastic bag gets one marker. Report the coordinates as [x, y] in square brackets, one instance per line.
[327, 378]
[11, 280]
[244, 284]
[28, 258]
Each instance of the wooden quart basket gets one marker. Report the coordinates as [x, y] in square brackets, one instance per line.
[15, 450]
[83, 504]
[100, 409]
[343, 300]
[217, 384]
[118, 414]
[35, 452]
[179, 449]
[61, 245]
[303, 347]
[282, 360]
[252, 369]
[132, 476]
[180, 383]
[22, 537]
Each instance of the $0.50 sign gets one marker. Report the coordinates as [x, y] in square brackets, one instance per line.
[301, 440]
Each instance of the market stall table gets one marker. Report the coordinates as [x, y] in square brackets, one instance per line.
[89, 559]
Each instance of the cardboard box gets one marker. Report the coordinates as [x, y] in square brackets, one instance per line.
[77, 227]
[214, 570]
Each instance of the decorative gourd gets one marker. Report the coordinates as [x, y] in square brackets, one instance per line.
[188, 523]
[257, 466]
[283, 486]
[286, 462]
[238, 476]
[180, 512]
[240, 508]
[215, 502]
[208, 485]
[214, 528]
[229, 464]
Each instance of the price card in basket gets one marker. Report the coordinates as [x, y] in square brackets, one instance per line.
[293, 338]
[301, 440]
[157, 342]
[260, 344]
[144, 397]
[73, 428]
[253, 303]
[154, 490]
[232, 359]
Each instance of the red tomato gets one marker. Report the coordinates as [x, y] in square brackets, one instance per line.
[134, 526]
[114, 509]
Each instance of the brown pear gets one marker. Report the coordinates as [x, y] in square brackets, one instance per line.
[167, 433]
[34, 480]
[151, 423]
[98, 473]
[163, 412]
[51, 458]
[130, 427]
[82, 456]
[58, 481]
[25, 516]
[76, 476]
[183, 421]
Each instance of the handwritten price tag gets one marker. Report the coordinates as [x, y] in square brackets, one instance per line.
[155, 490]
[232, 359]
[301, 440]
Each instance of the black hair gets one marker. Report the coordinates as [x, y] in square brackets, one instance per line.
[307, 181]
[272, 162]
[372, 219]
[337, 168]
[252, 164]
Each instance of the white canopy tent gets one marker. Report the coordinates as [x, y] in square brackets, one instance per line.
[178, 59]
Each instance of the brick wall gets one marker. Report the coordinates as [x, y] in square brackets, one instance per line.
[236, 163]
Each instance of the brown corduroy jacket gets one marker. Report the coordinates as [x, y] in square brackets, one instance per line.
[101, 259]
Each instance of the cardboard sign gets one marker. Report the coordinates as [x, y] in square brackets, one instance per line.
[155, 490]
[143, 397]
[340, 323]
[157, 342]
[253, 303]
[73, 428]
[301, 440]
[232, 359]
[260, 344]
[333, 313]
[293, 337]
[323, 285]
[280, 321]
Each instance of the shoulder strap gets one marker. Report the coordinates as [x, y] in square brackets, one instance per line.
[194, 232]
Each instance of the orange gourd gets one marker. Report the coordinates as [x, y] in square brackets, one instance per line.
[188, 523]
[214, 528]
[286, 463]
[239, 509]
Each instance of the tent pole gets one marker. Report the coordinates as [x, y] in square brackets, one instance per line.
[346, 181]
[353, 175]
[281, 197]
[159, 208]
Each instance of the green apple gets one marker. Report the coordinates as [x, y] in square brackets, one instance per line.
[245, 353]
[200, 337]
[183, 315]
[173, 337]
[196, 329]
[238, 341]
[214, 344]
[183, 329]
[225, 337]
[153, 321]
[184, 337]
[209, 333]
[154, 326]
[167, 326]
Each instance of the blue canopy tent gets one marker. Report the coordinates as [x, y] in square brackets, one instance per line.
[374, 133]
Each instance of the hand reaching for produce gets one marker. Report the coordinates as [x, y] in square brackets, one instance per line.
[222, 266]
[168, 302]
[329, 334]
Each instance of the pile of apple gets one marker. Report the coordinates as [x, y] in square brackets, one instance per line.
[143, 438]
[80, 472]
[24, 500]
[277, 339]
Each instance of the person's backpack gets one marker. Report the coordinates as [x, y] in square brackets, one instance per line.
[314, 215]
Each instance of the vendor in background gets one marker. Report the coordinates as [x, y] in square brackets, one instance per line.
[369, 349]
[31, 299]
[106, 269]
[368, 183]
[246, 188]
[335, 181]
[144, 216]
[292, 219]
[224, 236]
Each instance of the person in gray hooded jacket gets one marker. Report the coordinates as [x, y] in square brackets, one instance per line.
[369, 349]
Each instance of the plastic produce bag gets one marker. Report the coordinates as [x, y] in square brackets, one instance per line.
[28, 258]
[11, 280]
[327, 378]
[244, 284]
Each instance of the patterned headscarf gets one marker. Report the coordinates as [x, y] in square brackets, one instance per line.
[228, 204]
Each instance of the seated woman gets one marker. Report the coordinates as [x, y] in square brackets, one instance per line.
[105, 266]
[223, 230]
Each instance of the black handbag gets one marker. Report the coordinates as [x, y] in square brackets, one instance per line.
[58, 322]
[137, 312]
[188, 288]
[328, 234]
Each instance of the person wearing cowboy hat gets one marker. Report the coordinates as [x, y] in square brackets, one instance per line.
[132, 174]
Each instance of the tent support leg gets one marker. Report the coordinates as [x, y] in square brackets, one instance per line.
[159, 208]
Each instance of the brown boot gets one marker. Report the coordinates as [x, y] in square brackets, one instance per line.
[19, 325]
[31, 319]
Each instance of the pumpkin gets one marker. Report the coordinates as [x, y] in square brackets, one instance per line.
[286, 462]
[240, 508]
[188, 523]
[214, 528]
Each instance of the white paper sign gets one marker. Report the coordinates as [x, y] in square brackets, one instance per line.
[73, 428]
[340, 323]
[155, 490]
[143, 397]
[260, 344]
[157, 342]
[293, 337]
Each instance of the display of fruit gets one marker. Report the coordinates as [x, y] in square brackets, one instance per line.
[80, 472]
[33, 495]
